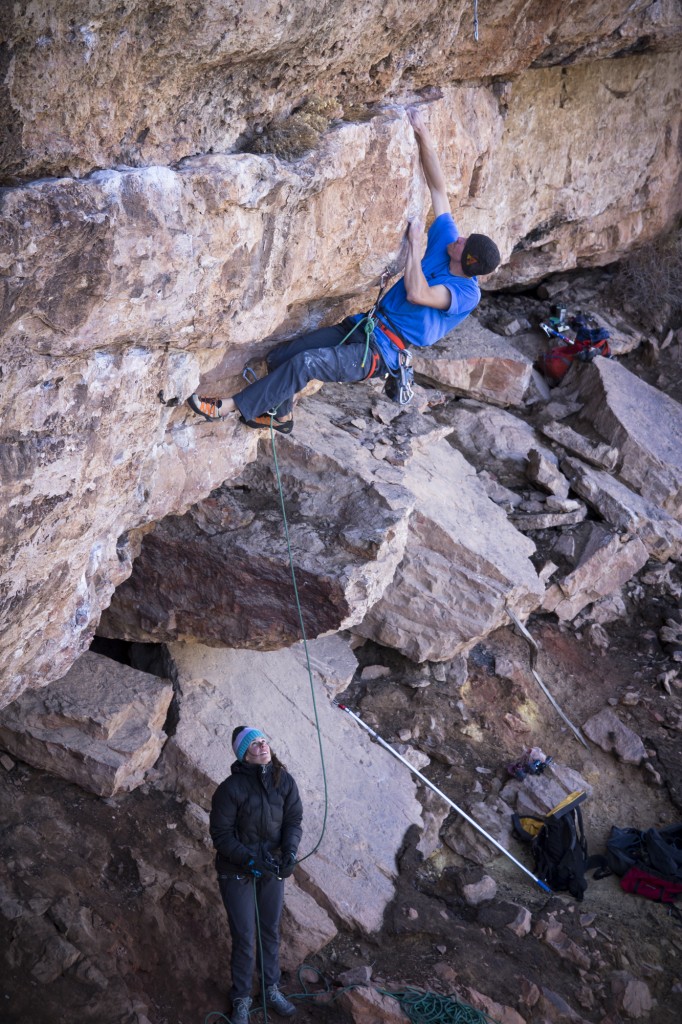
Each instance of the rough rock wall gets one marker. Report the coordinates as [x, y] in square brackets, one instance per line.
[129, 284]
[95, 83]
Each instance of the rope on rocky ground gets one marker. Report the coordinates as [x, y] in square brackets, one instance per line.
[421, 1007]
[305, 643]
[432, 1008]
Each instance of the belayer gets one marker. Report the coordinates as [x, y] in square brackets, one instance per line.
[435, 294]
[255, 826]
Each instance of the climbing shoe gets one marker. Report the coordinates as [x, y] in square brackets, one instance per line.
[278, 1002]
[283, 426]
[240, 1010]
[209, 408]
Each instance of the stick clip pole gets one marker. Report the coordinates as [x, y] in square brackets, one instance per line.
[375, 736]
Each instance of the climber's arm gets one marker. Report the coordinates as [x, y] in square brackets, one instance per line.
[430, 163]
[417, 288]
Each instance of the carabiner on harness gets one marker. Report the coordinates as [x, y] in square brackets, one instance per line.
[406, 392]
[398, 387]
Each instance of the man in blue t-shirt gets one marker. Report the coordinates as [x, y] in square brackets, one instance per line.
[435, 294]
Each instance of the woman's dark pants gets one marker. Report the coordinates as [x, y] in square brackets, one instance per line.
[240, 899]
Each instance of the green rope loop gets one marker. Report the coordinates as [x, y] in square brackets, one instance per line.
[432, 1008]
[368, 324]
[421, 1007]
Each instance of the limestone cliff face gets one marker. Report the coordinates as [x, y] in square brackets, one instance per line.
[158, 253]
[91, 85]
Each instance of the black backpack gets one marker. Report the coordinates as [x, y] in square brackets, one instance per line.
[559, 846]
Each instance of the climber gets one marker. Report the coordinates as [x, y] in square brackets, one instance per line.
[255, 826]
[435, 294]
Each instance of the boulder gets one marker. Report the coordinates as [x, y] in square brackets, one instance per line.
[539, 794]
[497, 1011]
[473, 362]
[481, 891]
[347, 518]
[608, 732]
[101, 726]
[463, 564]
[352, 874]
[415, 524]
[306, 927]
[546, 474]
[626, 510]
[605, 562]
[631, 996]
[556, 1009]
[547, 520]
[645, 426]
[597, 454]
[493, 815]
[364, 1004]
[496, 441]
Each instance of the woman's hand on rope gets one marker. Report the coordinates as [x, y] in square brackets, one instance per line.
[288, 865]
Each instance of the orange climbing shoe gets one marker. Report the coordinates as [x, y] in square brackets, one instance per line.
[209, 408]
[283, 426]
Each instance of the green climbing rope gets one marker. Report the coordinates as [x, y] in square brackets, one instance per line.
[305, 643]
[368, 324]
[432, 1008]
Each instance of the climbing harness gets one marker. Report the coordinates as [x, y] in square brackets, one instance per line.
[533, 659]
[375, 736]
[398, 385]
[368, 323]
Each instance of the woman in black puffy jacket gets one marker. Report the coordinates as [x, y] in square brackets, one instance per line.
[256, 828]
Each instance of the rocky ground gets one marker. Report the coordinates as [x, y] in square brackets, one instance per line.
[462, 922]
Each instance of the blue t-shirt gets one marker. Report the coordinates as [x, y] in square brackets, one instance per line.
[423, 325]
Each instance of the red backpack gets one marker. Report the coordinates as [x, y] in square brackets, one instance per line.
[589, 343]
[662, 890]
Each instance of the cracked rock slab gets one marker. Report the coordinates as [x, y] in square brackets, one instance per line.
[463, 563]
[101, 726]
[608, 732]
[626, 510]
[645, 426]
[352, 874]
[605, 563]
[476, 363]
[221, 573]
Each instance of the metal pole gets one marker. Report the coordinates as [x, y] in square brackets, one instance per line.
[440, 793]
[533, 659]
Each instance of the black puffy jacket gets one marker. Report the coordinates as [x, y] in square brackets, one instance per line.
[252, 817]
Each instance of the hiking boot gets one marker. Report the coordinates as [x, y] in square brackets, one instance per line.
[282, 426]
[209, 408]
[279, 1003]
[240, 1010]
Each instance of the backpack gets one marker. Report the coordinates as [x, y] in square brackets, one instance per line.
[589, 343]
[649, 863]
[557, 841]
